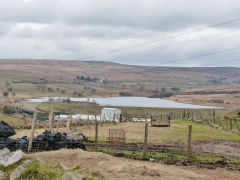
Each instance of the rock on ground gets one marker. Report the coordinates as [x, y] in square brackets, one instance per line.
[16, 173]
[64, 166]
[1, 174]
[72, 176]
[19, 170]
[4, 151]
[9, 158]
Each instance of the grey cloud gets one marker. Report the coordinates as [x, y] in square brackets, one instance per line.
[72, 29]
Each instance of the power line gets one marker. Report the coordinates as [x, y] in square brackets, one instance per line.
[201, 55]
[162, 39]
[224, 62]
[166, 47]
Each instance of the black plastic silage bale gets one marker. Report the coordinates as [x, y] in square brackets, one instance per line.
[44, 141]
[6, 130]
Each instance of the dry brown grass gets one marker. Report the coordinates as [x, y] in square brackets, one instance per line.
[120, 168]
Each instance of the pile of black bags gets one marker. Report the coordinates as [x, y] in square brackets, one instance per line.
[44, 141]
[6, 130]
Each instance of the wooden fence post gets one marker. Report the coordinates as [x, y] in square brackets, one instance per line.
[69, 122]
[145, 141]
[121, 119]
[50, 120]
[151, 119]
[214, 115]
[230, 123]
[236, 124]
[220, 122]
[34, 121]
[189, 148]
[96, 135]
[58, 121]
[169, 120]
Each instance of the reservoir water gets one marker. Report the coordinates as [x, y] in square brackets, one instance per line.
[127, 101]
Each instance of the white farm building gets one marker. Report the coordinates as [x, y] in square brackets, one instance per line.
[110, 114]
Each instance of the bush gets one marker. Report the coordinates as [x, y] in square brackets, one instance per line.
[7, 110]
[67, 100]
[5, 94]
[10, 89]
[125, 94]
[218, 101]
[175, 89]
[163, 94]
[63, 91]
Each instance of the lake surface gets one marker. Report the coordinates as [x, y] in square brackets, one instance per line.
[127, 101]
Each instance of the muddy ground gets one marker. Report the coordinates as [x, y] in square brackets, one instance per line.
[126, 169]
[227, 148]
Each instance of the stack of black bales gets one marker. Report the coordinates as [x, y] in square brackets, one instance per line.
[44, 141]
[5, 132]
[51, 141]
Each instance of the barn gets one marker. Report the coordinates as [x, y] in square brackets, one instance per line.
[111, 114]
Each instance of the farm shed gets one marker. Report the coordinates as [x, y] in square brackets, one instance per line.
[111, 114]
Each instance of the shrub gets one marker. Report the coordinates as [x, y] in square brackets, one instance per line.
[125, 94]
[5, 94]
[10, 89]
[175, 89]
[218, 101]
[7, 110]
[63, 91]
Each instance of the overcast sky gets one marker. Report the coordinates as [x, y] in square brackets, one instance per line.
[89, 29]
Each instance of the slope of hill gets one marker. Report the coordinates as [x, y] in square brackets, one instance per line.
[63, 78]
[52, 69]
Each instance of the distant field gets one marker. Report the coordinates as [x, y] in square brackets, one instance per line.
[135, 111]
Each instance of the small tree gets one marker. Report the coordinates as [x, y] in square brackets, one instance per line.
[50, 89]
[74, 93]
[8, 83]
[82, 77]
[63, 91]
[5, 94]
[163, 89]
[105, 81]
[7, 110]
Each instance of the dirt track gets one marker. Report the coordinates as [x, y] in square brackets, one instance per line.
[120, 168]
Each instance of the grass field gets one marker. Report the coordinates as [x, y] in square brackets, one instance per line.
[135, 111]
[176, 133]
[167, 135]
[17, 122]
